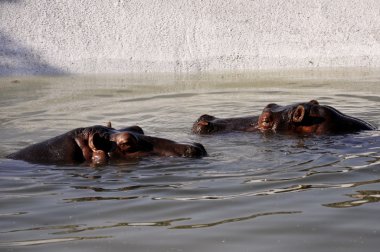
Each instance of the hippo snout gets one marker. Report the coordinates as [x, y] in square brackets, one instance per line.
[195, 150]
[204, 125]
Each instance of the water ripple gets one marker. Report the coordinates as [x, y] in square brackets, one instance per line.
[124, 189]
[292, 188]
[69, 229]
[232, 220]
[360, 198]
[98, 198]
[49, 241]
[245, 176]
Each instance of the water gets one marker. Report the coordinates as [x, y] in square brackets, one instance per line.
[252, 193]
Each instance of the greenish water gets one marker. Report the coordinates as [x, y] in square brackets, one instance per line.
[252, 193]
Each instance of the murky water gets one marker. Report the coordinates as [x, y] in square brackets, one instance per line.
[252, 193]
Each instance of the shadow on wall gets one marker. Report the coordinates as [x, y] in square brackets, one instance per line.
[16, 59]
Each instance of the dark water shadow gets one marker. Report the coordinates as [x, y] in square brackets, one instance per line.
[17, 59]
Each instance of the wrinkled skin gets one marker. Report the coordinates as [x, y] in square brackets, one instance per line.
[98, 144]
[308, 118]
[207, 124]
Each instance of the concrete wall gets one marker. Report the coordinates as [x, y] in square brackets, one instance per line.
[181, 36]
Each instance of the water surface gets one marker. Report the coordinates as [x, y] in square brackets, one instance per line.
[252, 193]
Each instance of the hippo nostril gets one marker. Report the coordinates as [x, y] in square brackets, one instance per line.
[266, 121]
[203, 127]
[196, 150]
[298, 114]
[188, 152]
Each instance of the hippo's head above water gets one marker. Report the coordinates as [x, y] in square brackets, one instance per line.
[99, 144]
[308, 118]
[131, 144]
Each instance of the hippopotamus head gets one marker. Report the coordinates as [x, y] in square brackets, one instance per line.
[308, 118]
[99, 144]
[205, 124]
[110, 144]
[132, 145]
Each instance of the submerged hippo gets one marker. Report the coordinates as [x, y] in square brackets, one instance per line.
[207, 124]
[97, 144]
[309, 118]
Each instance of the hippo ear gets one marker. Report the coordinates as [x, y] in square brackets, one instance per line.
[298, 114]
[97, 142]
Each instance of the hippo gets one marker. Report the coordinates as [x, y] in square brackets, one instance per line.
[98, 144]
[207, 124]
[308, 118]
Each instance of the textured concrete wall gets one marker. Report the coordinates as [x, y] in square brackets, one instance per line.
[114, 36]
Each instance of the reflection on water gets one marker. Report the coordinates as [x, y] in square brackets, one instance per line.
[267, 192]
[82, 199]
[81, 228]
[48, 241]
[225, 221]
[361, 197]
